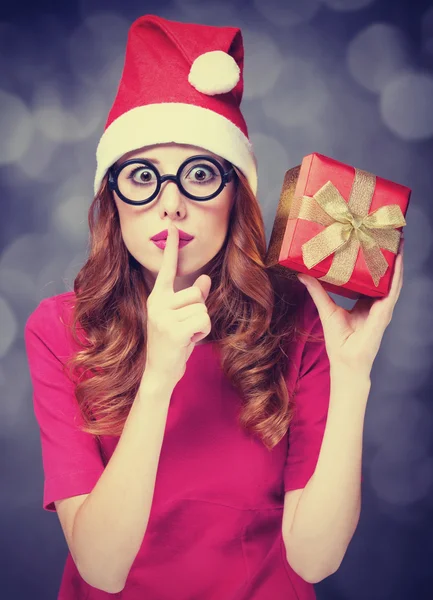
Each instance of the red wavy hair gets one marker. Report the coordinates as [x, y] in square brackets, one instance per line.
[252, 308]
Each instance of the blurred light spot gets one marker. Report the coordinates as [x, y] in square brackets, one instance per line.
[315, 136]
[272, 160]
[28, 253]
[376, 55]
[344, 126]
[16, 128]
[347, 5]
[63, 125]
[50, 277]
[287, 14]
[298, 96]
[387, 159]
[406, 105]
[16, 285]
[264, 63]
[70, 218]
[19, 290]
[8, 327]
[36, 160]
[70, 209]
[31, 269]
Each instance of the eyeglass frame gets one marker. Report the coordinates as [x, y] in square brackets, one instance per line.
[113, 174]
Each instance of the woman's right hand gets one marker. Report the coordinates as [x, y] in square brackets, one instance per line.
[176, 321]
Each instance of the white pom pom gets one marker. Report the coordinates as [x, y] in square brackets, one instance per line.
[214, 72]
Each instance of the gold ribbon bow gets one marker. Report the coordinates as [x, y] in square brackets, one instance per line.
[348, 227]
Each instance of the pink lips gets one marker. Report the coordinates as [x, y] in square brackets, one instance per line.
[163, 235]
[162, 243]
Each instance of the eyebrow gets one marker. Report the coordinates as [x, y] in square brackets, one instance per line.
[156, 161]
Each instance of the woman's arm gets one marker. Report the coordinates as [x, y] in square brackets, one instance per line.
[328, 510]
[110, 524]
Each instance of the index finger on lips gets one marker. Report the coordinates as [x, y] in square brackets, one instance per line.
[167, 272]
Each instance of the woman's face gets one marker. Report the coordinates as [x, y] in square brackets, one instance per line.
[207, 221]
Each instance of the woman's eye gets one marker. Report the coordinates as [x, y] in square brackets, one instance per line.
[141, 176]
[202, 174]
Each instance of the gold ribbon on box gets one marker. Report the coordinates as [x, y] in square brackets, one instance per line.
[349, 226]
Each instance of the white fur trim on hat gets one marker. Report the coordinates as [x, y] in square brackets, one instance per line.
[180, 123]
[214, 72]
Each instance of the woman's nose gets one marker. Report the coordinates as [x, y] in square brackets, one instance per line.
[175, 189]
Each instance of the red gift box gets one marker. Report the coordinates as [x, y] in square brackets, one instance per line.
[340, 225]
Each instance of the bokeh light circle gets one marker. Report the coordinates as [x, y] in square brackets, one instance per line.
[406, 105]
[16, 126]
[376, 55]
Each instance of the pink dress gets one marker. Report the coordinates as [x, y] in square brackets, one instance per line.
[215, 525]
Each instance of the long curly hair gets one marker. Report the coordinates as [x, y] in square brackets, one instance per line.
[252, 308]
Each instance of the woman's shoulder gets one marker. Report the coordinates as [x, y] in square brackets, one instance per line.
[51, 318]
[50, 307]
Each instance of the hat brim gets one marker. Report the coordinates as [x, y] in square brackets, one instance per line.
[180, 123]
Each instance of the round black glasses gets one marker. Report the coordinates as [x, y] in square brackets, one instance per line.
[137, 181]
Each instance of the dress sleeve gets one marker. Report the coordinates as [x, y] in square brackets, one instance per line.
[71, 459]
[312, 391]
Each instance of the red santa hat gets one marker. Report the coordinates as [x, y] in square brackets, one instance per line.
[181, 83]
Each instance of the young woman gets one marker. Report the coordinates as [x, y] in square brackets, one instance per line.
[201, 437]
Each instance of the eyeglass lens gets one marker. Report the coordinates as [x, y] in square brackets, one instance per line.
[200, 178]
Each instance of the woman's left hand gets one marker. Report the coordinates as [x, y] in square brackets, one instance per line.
[353, 337]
